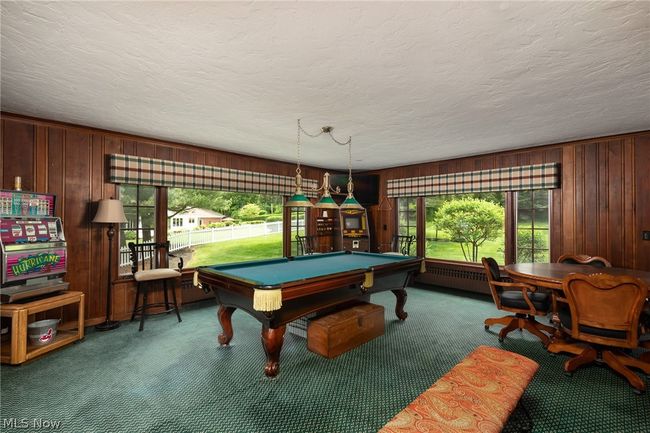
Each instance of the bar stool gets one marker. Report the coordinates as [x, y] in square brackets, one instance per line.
[147, 271]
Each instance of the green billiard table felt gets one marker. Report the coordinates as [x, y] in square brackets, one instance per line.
[278, 271]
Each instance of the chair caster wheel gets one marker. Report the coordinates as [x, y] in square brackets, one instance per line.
[638, 391]
[500, 340]
[568, 373]
[486, 327]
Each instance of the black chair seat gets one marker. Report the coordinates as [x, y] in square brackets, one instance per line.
[565, 319]
[515, 299]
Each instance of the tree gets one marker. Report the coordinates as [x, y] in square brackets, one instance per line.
[228, 203]
[470, 222]
[181, 200]
[250, 210]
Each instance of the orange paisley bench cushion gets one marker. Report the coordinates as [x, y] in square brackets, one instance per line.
[477, 395]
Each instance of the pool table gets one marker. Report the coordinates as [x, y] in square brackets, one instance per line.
[278, 291]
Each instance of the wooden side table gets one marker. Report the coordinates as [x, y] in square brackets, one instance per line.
[19, 349]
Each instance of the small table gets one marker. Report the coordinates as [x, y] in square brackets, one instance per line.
[19, 349]
[278, 291]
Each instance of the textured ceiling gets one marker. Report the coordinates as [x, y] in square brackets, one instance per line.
[409, 82]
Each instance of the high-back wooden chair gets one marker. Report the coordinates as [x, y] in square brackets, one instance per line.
[583, 259]
[401, 244]
[519, 298]
[306, 244]
[148, 265]
[604, 312]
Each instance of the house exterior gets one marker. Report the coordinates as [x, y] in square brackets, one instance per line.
[193, 218]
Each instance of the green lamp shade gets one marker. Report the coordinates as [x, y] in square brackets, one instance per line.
[298, 200]
[351, 203]
[327, 202]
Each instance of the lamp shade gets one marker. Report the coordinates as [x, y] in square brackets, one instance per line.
[351, 203]
[298, 200]
[110, 211]
[326, 202]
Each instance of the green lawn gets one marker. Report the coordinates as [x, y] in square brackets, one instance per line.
[447, 250]
[240, 250]
[444, 249]
[263, 247]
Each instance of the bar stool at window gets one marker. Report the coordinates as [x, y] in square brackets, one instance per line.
[148, 271]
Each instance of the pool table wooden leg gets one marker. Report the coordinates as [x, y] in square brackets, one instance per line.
[224, 314]
[272, 339]
[400, 294]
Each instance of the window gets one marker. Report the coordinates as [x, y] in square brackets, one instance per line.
[407, 218]
[465, 227]
[233, 226]
[298, 218]
[533, 238]
[140, 209]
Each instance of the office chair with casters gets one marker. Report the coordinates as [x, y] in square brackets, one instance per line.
[306, 244]
[583, 259]
[603, 320]
[147, 265]
[520, 298]
[401, 244]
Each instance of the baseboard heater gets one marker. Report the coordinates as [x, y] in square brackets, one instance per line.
[456, 275]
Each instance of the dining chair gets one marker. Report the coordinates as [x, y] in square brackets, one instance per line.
[148, 265]
[401, 244]
[306, 244]
[603, 320]
[583, 259]
[522, 299]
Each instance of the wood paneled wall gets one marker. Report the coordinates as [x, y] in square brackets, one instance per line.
[70, 161]
[601, 208]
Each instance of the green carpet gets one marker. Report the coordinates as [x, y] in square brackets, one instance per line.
[175, 378]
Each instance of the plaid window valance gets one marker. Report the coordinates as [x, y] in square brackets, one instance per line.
[526, 177]
[158, 172]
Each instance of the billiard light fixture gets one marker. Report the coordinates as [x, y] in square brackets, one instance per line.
[298, 199]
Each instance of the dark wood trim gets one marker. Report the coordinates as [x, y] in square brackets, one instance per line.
[421, 227]
[510, 227]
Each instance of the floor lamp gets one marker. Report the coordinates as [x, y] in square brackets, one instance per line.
[111, 212]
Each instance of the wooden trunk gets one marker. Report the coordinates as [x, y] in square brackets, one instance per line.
[338, 332]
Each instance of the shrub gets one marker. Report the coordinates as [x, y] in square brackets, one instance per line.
[273, 218]
[470, 222]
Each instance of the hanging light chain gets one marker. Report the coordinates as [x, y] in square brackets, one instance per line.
[350, 184]
[298, 141]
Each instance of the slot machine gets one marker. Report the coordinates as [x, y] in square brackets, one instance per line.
[33, 249]
[355, 235]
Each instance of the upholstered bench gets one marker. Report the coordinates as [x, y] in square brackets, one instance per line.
[477, 395]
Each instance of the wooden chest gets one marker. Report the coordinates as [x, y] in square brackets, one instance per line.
[338, 332]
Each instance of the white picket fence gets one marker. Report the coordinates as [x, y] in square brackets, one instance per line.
[189, 238]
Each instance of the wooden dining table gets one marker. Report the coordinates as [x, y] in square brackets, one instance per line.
[550, 275]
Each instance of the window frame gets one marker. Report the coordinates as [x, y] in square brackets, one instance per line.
[122, 228]
[414, 224]
[510, 228]
[533, 210]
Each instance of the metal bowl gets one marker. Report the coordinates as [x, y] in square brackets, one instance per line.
[42, 332]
